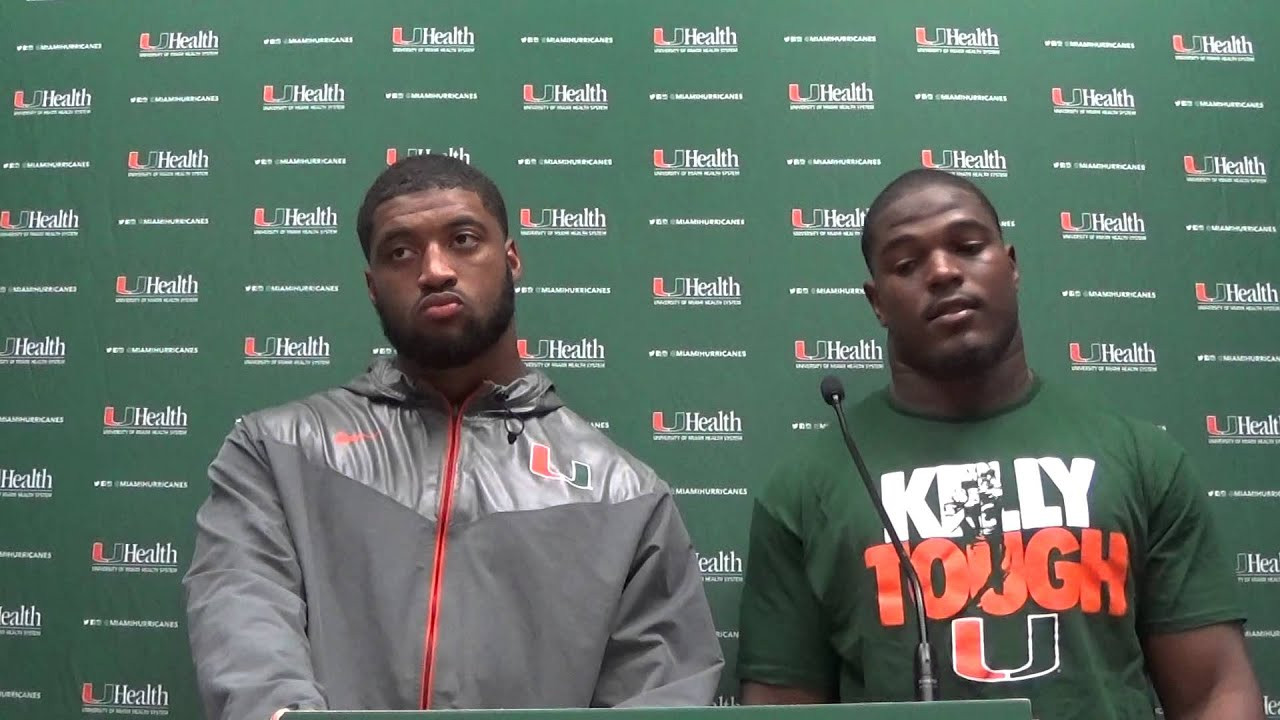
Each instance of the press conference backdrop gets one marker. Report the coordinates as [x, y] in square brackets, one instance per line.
[686, 183]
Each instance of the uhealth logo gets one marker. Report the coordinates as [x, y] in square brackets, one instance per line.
[21, 620]
[26, 483]
[827, 222]
[1224, 169]
[1233, 48]
[1089, 101]
[202, 43]
[692, 162]
[547, 222]
[1238, 296]
[63, 222]
[1255, 567]
[157, 289]
[78, 101]
[550, 353]
[866, 354]
[826, 96]
[1242, 429]
[965, 163]
[47, 350]
[457, 153]
[168, 163]
[319, 220]
[591, 96]
[138, 420]
[456, 39]
[695, 40]
[122, 699]
[697, 426]
[326, 96]
[1102, 226]
[957, 41]
[135, 557]
[1110, 357]
[723, 566]
[722, 290]
[280, 350]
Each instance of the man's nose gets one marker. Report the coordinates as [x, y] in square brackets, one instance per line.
[437, 271]
[942, 269]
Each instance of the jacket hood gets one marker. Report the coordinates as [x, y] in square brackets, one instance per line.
[530, 395]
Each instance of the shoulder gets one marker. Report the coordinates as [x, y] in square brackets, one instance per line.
[801, 475]
[1152, 458]
[1109, 424]
[310, 418]
[572, 439]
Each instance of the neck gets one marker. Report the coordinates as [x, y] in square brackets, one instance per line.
[499, 364]
[987, 391]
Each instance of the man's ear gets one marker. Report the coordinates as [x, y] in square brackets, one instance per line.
[869, 287]
[368, 282]
[1013, 261]
[513, 260]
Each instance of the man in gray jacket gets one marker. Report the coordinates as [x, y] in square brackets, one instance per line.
[441, 532]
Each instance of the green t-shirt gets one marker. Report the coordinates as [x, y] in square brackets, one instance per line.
[1099, 527]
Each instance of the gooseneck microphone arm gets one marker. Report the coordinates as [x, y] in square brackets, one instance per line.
[926, 683]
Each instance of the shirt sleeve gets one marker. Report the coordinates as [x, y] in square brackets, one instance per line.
[246, 615]
[1187, 581]
[663, 650]
[785, 636]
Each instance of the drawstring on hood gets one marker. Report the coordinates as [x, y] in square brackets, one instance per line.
[511, 419]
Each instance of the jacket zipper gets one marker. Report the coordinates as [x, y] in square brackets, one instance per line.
[437, 565]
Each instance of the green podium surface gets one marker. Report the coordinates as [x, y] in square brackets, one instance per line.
[942, 710]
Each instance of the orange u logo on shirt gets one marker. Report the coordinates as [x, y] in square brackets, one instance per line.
[969, 658]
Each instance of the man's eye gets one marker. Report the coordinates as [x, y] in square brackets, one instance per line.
[904, 268]
[971, 248]
[465, 239]
[400, 253]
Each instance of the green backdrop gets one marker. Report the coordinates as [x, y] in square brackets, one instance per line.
[179, 184]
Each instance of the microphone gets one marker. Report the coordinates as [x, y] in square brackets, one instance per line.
[926, 683]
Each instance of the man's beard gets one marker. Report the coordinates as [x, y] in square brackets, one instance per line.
[440, 351]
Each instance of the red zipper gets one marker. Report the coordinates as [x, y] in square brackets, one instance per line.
[437, 565]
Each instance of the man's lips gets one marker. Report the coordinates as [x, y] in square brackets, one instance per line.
[440, 305]
[950, 306]
[438, 300]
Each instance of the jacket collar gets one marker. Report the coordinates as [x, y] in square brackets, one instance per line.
[532, 393]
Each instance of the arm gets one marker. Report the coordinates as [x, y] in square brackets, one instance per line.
[1188, 617]
[246, 617]
[663, 649]
[754, 693]
[784, 655]
[1204, 674]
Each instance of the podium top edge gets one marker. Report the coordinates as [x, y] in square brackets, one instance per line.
[1011, 709]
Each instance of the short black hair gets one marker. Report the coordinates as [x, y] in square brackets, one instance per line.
[427, 172]
[914, 180]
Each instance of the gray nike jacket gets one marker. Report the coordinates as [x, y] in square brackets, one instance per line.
[370, 547]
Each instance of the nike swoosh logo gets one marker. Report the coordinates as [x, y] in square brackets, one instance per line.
[343, 437]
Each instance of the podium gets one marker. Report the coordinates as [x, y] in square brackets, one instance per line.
[942, 710]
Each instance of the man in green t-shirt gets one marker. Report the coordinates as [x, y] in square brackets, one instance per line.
[1066, 551]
